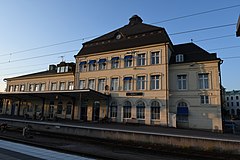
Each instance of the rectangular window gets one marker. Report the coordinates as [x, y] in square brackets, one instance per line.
[54, 86]
[155, 82]
[115, 62]
[22, 88]
[204, 99]
[128, 61]
[203, 80]
[179, 58]
[141, 59]
[31, 87]
[236, 97]
[140, 112]
[42, 87]
[101, 84]
[182, 82]
[70, 85]
[238, 104]
[114, 84]
[227, 98]
[92, 65]
[102, 64]
[155, 57]
[141, 82]
[228, 104]
[82, 84]
[83, 66]
[16, 88]
[231, 98]
[91, 84]
[62, 86]
[126, 112]
[37, 87]
[127, 83]
[11, 88]
[232, 104]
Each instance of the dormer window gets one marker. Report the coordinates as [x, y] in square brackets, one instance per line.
[179, 58]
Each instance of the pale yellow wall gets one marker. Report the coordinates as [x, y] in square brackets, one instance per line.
[121, 72]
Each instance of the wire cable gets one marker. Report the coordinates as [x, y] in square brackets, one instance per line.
[196, 14]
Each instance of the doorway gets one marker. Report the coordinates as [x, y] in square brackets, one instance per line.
[96, 111]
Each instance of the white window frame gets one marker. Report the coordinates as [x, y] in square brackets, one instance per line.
[70, 85]
[101, 84]
[155, 82]
[141, 82]
[62, 86]
[204, 99]
[155, 57]
[182, 82]
[115, 64]
[114, 84]
[82, 84]
[141, 59]
[179, 58]
[203, 80]
[91, 84]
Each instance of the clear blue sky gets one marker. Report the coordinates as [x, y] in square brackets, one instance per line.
[26, 24]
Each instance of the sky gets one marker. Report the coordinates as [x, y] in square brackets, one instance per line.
[37, 33]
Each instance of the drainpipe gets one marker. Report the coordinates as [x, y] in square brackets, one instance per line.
[166, 75]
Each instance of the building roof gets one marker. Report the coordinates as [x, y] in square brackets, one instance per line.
[238, 27]
[51, 72]
[191, 53]
[134, 34]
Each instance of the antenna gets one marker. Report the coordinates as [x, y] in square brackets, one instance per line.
[62, 57]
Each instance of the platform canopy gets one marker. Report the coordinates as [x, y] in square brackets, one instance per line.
[76, 94]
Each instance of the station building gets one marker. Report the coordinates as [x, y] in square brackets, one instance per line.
[135, 74]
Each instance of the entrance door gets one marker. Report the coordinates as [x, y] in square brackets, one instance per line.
[83, 114]
[96, 111]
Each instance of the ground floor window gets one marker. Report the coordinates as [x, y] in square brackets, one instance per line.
[69, 108]
[113, 110]
[127, 109]
[155, 110]
[59, 108]
[140, 110]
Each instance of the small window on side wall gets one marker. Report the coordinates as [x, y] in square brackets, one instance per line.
[179, 58]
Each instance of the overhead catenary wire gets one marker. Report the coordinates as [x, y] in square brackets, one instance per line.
[196, 14]
[213, 38]
[222, 48]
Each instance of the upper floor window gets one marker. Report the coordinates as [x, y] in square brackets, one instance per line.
[179, 58]
[62, 86]
[16, 88]
[141, 82]
[203, 80]
[82, 84]
[128, 61]
[155, 82]
[54, 86]
[70, 85]
[37, 87]
[102, 64]
[92, 65]
[236, 97]
[114, 84]
[141, 59]
[42, 87]
[115, 62]
[11, 88]
[91, 84]
[83, 66]
[127, 83]
[101, 84]
[204, 99]
[31, 87]
[155, 57]
[227, 98]
[231, 97]
[182, 82]
[22, 87]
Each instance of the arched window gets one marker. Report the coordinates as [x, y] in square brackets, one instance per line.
[155, 110]
[140, 110]
[69, 108]
[59, 108]
[127, 109]
[182, 112]
[113, 110]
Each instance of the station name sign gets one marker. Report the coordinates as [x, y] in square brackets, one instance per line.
[134, 94]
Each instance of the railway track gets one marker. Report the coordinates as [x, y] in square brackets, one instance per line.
[102, 149]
